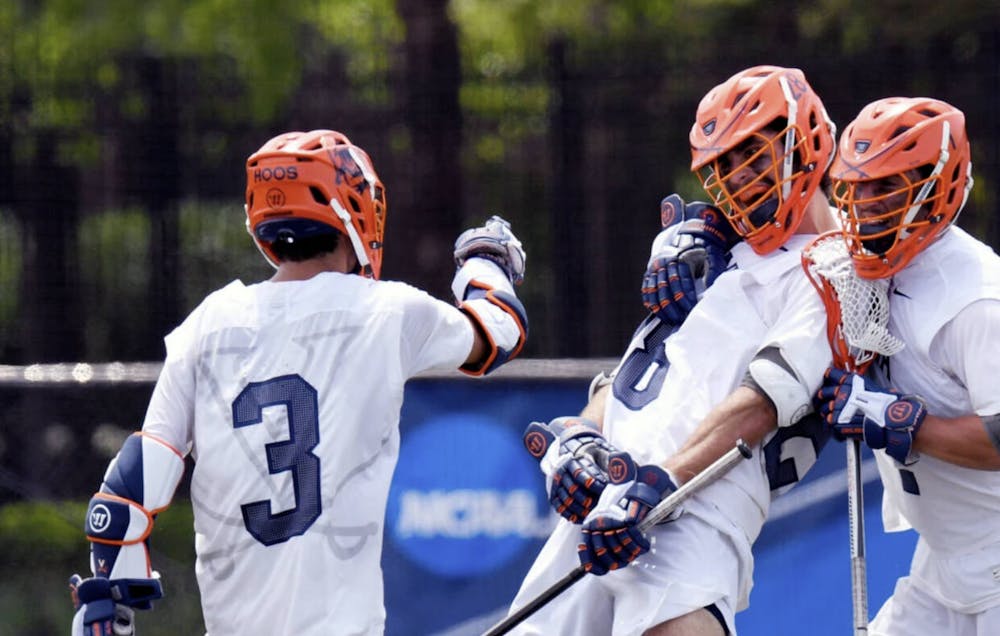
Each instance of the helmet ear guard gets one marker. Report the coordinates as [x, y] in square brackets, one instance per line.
[322, 178]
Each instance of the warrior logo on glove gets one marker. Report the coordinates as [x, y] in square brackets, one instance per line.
[618, 470]
[536, 443]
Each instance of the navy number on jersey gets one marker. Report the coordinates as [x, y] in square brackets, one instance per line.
[298, 398]
[792, 451]
[640, 376]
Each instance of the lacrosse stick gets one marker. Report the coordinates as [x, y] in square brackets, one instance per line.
[857, 312]
[660, 512]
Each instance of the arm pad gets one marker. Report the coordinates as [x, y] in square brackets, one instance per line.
[139, 483]
[485, 294]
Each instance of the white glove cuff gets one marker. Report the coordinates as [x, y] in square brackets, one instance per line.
[607, 505]
[481, 270]
[552, 458]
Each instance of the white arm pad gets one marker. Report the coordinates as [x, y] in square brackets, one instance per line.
[139, 483]
[503, 330]
[160, 467]
[772, 375]
[486, 295]
[482, 271]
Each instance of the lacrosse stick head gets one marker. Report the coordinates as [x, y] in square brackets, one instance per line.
[857, 309]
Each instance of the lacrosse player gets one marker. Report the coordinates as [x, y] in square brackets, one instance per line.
[743, 364]
[287, 394]
[932, 411]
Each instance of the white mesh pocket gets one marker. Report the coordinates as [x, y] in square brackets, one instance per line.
[864, 304]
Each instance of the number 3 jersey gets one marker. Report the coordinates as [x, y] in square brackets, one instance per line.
[287, 396]
[669, 380]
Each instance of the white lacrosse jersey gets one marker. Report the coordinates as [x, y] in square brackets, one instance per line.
[664, 386]
[944, 306]
[287, 396]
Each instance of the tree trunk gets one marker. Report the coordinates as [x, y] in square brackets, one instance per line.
[424, 220]
[570, 315]
[154, 177]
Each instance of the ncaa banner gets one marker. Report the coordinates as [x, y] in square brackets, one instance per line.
[467, 511]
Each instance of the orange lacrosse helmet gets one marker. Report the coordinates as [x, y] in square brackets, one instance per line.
[774, 114]
[307, 183]
[903, 173]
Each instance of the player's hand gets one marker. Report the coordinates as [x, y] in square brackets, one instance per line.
[496, 242]
[104, 607]
[572, 453]
[705, 238]
[857, 408]
[686, 258]
[611, 536]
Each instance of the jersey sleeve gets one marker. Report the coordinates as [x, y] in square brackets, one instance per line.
[799, 331]
[435, 334]
[170, 414]
[967, 346]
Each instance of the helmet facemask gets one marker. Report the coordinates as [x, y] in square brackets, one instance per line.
[768, 120]
[888, 220]
[901, 178]
[774, 155]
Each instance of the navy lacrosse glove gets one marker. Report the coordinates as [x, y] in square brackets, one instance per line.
[686, 258]
[104, 607]
[496, 242]
[572, 454]
[611, 535]
[856, 408]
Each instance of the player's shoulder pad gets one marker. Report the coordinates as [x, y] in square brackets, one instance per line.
[772, 375]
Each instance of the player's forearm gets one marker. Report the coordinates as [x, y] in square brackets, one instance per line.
[594, 410]
[744, 414]
[963, 441]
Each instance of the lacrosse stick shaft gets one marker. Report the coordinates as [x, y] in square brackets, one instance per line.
[660, 512]
[855, 502]
[856, 521]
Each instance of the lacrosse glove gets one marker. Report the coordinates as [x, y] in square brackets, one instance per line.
[572, 454]
[496, 242]
[856, 408]
[104, 607]
[611, 535]
[686, 258]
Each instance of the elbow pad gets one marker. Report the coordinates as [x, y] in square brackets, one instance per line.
[485, 294]
[771, 375]
[139, 483]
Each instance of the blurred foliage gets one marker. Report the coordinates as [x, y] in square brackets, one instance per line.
[567, 107]
[114, 273]
[42, 533]
[46, 539]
